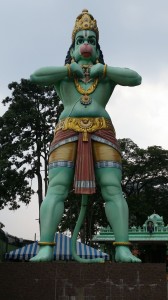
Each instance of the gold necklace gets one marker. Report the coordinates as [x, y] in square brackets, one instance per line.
[85, 99]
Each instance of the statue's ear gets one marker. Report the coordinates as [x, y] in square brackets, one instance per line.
[71, 52]
[98, 53]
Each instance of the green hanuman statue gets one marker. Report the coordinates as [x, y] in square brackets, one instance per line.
[84, 148]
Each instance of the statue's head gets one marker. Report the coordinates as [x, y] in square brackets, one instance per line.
[85, 38]
[85, 47]
[85, 21]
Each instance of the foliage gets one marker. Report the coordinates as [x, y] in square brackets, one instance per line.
[25, 134]
[145, 180]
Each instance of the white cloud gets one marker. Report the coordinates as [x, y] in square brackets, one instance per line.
[22, 222]
[140, 113]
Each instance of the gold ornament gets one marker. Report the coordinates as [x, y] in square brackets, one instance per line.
[69, 70]
[89, 91]
[86, 71]
[85, 99]
[104, 71]
[84, 125]
[85, 21]
[46, 243]
[121, 244]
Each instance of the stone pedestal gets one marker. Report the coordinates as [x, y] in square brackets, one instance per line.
[74, 281]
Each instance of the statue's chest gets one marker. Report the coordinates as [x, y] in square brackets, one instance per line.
[86, 89]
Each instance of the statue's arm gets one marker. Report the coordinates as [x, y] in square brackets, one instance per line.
[123, 76]
[49, 75]
[52, 75]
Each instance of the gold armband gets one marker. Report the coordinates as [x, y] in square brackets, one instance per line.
[104, 71]
[69, 70]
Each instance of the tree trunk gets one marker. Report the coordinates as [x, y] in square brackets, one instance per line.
[39, 178]
[45, 171]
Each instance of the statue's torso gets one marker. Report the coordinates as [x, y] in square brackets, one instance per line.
[71, 99]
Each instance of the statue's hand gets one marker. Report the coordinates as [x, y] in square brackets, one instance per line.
[76, 70]
[96, 70]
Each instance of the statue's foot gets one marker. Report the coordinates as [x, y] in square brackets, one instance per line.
[123, 254]
[45, 254]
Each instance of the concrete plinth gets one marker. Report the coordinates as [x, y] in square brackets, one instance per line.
[74, 281]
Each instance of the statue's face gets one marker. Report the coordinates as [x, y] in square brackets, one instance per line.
[85, 47]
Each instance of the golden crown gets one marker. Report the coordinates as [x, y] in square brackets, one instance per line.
[85, 21]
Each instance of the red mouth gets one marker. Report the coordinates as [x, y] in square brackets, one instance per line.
[86, 54]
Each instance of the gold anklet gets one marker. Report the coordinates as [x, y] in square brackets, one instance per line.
[46, 243]
[121, 244]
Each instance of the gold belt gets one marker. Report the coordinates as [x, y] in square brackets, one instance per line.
[84, 125]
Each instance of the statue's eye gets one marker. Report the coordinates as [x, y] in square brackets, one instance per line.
[80, 41]
[91, 41]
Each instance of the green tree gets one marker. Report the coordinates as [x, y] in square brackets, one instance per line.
[145, 180]
[26, 130]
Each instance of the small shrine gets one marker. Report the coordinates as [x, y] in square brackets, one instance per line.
[149, 242]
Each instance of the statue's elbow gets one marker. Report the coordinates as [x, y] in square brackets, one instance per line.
[32, 78]
[139, 80]
[135, 80]
[35, 78]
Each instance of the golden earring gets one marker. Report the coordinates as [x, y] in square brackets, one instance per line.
[72, 60]
[97, 60]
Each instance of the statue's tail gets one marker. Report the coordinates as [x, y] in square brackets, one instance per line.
[76, 231]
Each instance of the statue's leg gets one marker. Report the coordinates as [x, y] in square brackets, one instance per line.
[116, 210]
[52, 209]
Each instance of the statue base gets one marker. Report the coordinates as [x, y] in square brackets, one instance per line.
[74, 281]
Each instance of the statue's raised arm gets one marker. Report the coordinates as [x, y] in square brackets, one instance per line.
[123, 76]
[52, 75]
[49, 75]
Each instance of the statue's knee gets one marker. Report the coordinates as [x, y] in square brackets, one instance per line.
[56, 195]
[109, 191]
[59, 190]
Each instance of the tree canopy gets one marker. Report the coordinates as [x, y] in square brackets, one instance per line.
[145, 180]
[26, 130]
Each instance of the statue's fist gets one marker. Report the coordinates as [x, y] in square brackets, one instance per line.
[76, 70]
[96, 70]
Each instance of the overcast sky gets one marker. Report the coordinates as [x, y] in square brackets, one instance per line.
[133, 34]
